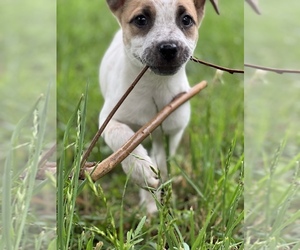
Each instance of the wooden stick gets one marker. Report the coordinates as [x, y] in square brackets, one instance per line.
[109, 163]
[51, 168]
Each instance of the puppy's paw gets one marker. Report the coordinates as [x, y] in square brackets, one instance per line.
[141, 171]
[149, 200]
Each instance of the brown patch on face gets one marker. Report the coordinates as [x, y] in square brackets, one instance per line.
[131, 11]
[115, 5]
[199, 4]
[189, 11]
[194, 8]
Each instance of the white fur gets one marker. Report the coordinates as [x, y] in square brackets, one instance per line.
[118, 69]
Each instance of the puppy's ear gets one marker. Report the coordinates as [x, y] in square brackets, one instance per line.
[199, 4]
[215, 5]
[115, 5]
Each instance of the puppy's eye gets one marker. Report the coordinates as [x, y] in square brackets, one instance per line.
[140, 21]
[187, 21]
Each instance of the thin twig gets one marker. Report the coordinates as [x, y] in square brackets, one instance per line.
[109, 163]
[49, 167]
[215, 5]
[114, 110]
[254, 5]
[46, 156]
[278, 71]
[231, 71]
[43, 165]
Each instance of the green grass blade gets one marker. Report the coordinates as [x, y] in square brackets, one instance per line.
[81, 117]
[7, 179]
[7, 184]
[200, 240]
[41, 129]
[226, 172]
[61, 232]
[190, 181]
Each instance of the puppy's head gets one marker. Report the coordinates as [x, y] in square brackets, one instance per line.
[159, 33]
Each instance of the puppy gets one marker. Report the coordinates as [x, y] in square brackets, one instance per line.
[161, 34]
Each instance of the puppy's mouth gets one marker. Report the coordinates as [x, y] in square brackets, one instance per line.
[166, 58]
[165, 70]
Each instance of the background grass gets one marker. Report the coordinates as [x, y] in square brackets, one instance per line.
[204, 210]
[272, 138]
[28, 122]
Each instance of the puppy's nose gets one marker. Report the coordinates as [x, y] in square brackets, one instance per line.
[168, 51]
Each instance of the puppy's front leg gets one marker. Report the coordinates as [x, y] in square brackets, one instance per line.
[138, 164]
[158, 156]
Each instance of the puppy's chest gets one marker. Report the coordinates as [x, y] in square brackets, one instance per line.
[144, 104]
[141, 107]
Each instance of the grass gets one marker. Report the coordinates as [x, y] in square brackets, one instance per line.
[204, 202]
[271, 133]
[107, 224]
[24, 224]
[27, 119]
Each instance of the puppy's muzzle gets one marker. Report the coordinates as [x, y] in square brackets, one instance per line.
[166, 58]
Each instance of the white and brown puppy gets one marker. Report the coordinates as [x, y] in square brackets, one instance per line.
[163, 35]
